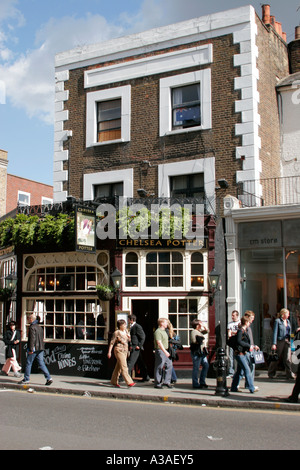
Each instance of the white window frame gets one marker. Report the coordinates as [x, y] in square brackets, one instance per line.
[107, 177]
[165, 106]
[186, 260]
[46, 200]
[25, 194]
[93, 98]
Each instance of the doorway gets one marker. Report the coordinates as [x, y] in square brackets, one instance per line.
[146, 312]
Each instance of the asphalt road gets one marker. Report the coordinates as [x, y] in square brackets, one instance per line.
[32, 421]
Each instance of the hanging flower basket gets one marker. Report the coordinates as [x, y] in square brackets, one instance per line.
[105, 292]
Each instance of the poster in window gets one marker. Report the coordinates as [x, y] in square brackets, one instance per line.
[85, 220]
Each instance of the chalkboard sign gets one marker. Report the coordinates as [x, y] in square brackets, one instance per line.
[76, 359]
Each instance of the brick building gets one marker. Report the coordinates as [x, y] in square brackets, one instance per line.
[15, 190]
[183, 111]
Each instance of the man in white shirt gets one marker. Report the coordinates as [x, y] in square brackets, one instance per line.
[232, 328]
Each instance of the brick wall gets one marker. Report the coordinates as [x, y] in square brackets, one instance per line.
[294, 51]
[273, 65]
[145, 144]
[35, 189]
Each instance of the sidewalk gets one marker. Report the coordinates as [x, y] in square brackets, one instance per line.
[271, 394]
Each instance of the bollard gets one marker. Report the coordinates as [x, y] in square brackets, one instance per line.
[221, 372]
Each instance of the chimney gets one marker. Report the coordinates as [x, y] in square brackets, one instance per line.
[266, 14]
[294, 52]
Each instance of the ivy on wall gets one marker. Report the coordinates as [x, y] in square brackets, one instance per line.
[28, 230]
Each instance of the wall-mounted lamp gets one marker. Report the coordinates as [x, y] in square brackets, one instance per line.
[116, 277]
[213, 279]
[11, 282]
[223, 183]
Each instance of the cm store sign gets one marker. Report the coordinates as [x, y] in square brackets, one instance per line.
[260, 234]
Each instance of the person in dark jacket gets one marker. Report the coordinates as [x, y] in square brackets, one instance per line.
[293, 398]
[242, 358]
[138, 337]
[35, 350]
[282, 344]
[11, 338]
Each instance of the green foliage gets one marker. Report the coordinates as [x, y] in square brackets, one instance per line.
[167, 224]
[28, 230]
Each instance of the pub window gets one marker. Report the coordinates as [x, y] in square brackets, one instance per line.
[64, 278]
[131, 270]
[181, 314]
[70, 318]
[197, 270]
[186, 110]
[164, 269]
[109, 120]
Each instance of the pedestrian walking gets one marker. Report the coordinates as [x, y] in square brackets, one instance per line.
[242, 358]
[232, 329]
[137, 341]
[163, 364]
[282, 344]
[35, 350]
[293, 398]
[11, 339]
[119, 342]
[199, 354]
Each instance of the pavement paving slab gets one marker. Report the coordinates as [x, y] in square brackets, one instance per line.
[271, 395]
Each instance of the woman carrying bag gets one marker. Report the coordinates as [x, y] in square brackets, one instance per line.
[11, 339]
[242, 358]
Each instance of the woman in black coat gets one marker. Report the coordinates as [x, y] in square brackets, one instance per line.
[11, 338]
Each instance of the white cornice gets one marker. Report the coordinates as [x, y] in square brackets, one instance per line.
[205, 27]
[249, 214]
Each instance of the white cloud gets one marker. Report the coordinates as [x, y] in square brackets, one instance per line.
[30, 77]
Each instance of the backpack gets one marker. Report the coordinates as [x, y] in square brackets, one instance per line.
[232, 342]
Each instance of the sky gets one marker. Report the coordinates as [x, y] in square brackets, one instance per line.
[33, 31]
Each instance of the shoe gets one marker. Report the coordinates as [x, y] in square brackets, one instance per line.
[23, 382]
[4, 373]
[131, 385]
[196, 386]
[203, 386]
[256, 389]
[168, 385]
[173, 381]
[116, 385]
[17, 374]
[291, 400]
[146, 379]
[49, 382]
[158, 386]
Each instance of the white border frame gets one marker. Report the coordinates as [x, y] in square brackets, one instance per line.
[107, 177]
[165, 106]
[123, 92]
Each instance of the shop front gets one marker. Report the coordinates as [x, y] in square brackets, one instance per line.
[60, 289]
[266, 269]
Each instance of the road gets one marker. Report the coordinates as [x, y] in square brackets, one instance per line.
[32, 421]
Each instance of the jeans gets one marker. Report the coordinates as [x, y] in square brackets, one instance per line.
[162, 362]
[39, 355]
[242, 365]
[197, 362]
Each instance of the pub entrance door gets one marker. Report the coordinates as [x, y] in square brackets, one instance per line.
[146, 312]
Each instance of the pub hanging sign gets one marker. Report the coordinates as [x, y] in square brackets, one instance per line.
[85, 233]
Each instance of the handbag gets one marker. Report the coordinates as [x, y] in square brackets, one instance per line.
[258, 357]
